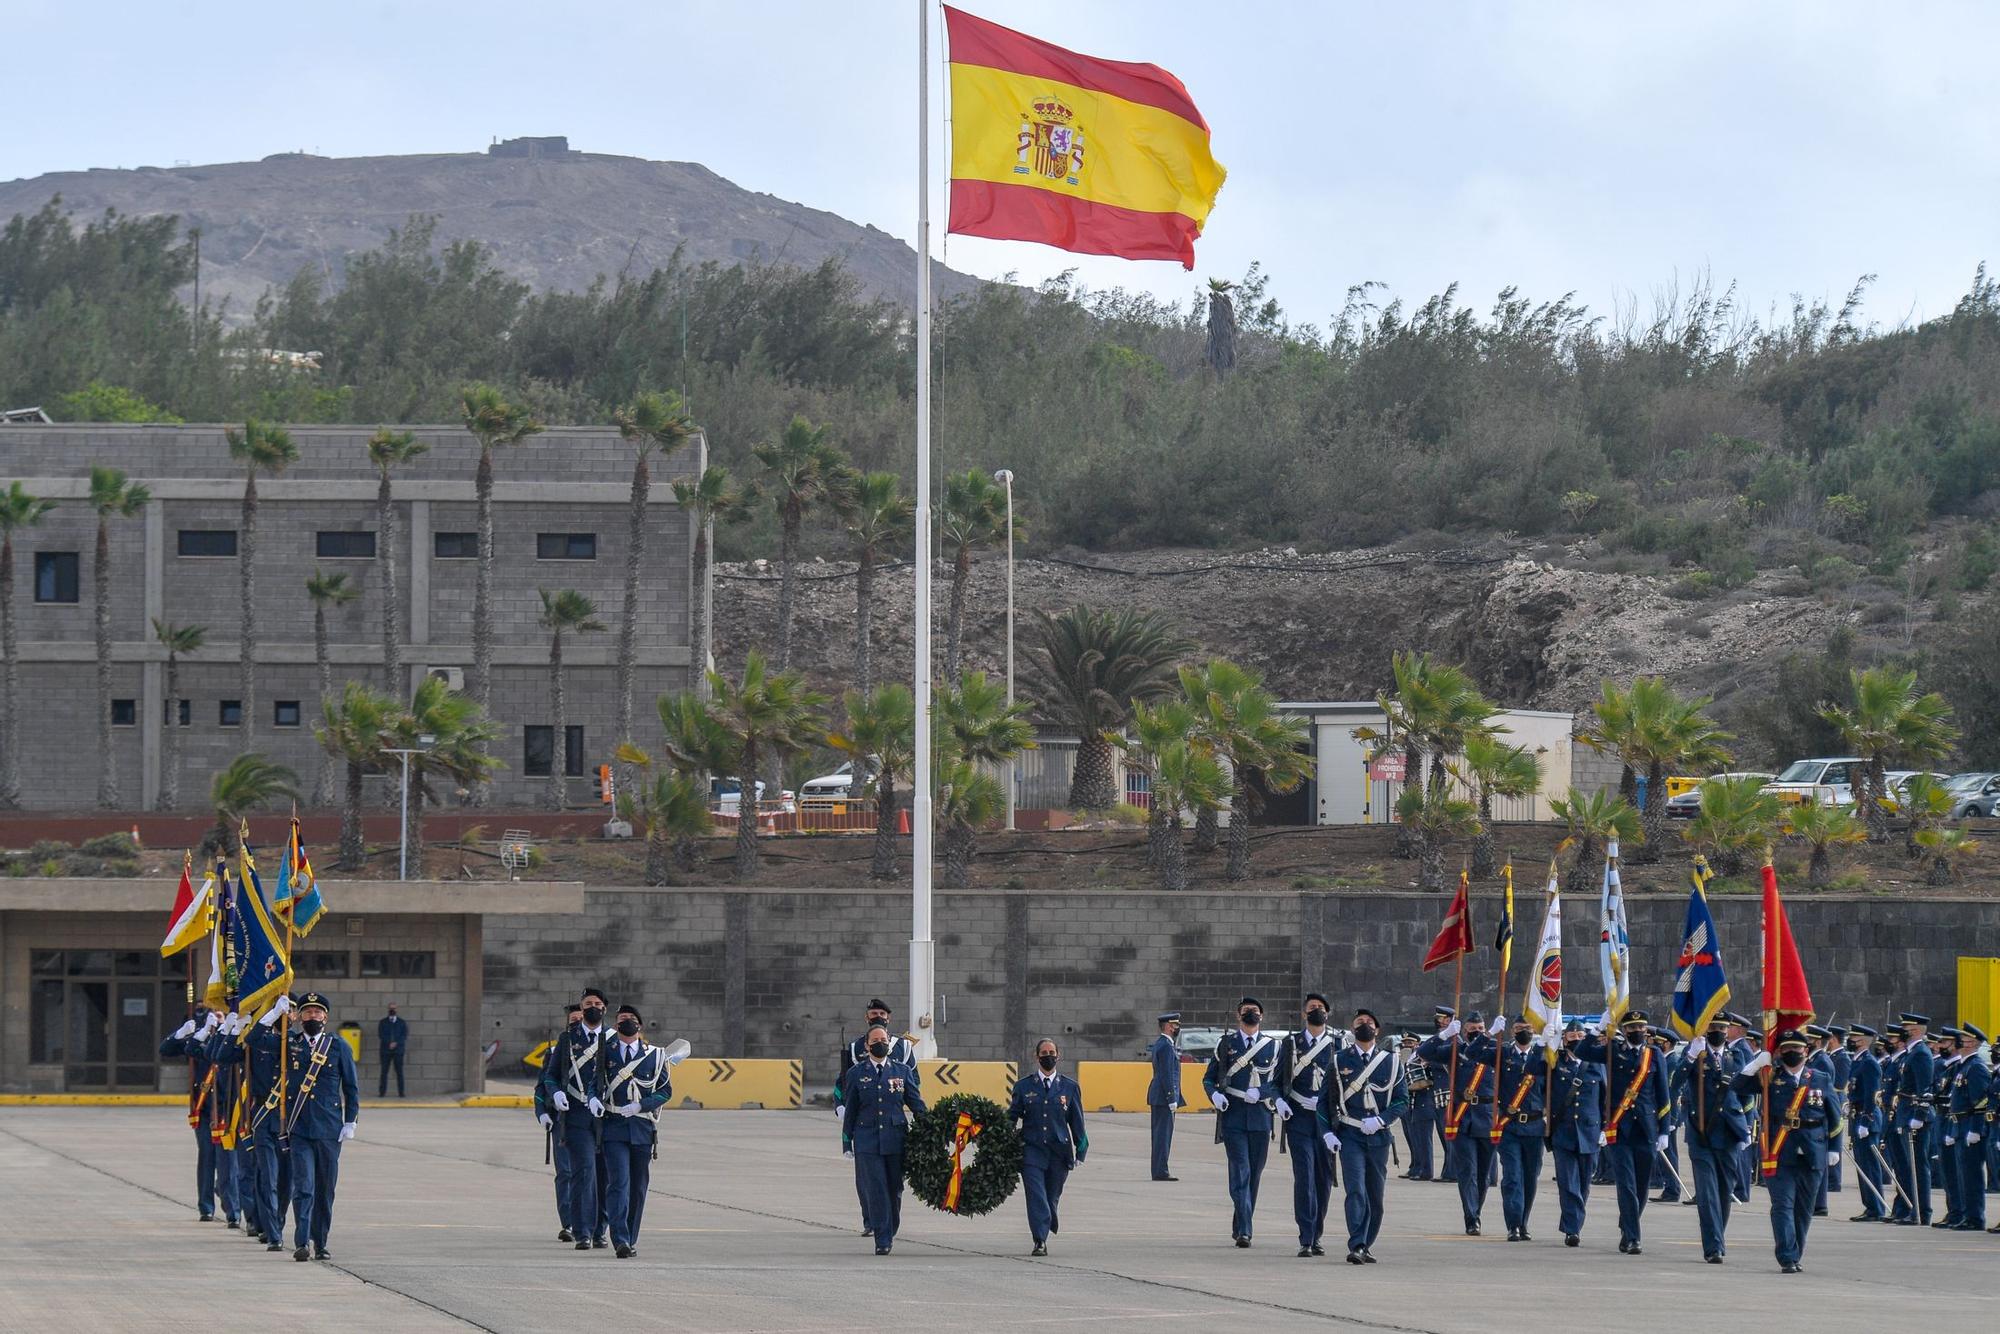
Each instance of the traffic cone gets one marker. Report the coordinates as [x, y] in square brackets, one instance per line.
[902, 822]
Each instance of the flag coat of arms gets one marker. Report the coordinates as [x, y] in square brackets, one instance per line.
[1102, 157]
[297, 899]
[1701, 986]
[1614, 948]
[1543, 1005]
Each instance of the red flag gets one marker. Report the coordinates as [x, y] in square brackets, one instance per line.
[1787, 1000]
[1455, 939]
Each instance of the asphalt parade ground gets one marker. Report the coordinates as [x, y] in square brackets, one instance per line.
[445, 1220]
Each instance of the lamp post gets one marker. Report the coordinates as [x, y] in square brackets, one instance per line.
[424, 743]
[1006, 478]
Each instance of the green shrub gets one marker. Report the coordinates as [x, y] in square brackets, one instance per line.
[110, 845]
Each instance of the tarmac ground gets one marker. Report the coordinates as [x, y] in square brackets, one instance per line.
[445, 1220]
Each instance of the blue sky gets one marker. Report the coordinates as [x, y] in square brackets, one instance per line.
[1611, 149]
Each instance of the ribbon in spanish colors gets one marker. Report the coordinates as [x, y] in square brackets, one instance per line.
[962, 1134]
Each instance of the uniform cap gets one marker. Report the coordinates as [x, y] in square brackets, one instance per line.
[1910, 1017]
[314, 998]
[632, 1010]
[1972, 1031]
[1474, 1017]
[1815, 1031]
[1635, 1017]
[1948, 1032]
[1731, 1017]
[1836, 1030]
[1445, 1011]
[1791, 1037]
[1171, 1016]
[1249, 1000]
[1573, 1026]
[881, 1005]
[1864, 1031]
[1756, 1035]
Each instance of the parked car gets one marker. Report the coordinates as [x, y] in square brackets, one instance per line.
[1828, 782]
[1974, 796]
[840, 785]
[1895, 780]
[725, 796]
[1686, 805]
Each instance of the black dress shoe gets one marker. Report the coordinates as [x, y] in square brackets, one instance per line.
[234, 1225]
[1166, 1178]
[273, 1246]
[1318, 1250]
[302, 1254]
[1624, 1246]
[1513, 1234]
[623, 1251]
[1525, 1236]
[1367, 1256]
[1788, 1269]
[1040, 1249]
[1713, 1259]
[1055, 1224]
[206, 1218]
[881, 1250]
[1243, 1243]
[600, 1242]
[1819, 1213]
[583, 1245]
[1634, 1250]
[1571, 1239]
[565, 1235]
[1946, 1222]
[1472, 1229]
[1865, 1218]
[322, 1253]
[1305, 1252]
[1354, 1258]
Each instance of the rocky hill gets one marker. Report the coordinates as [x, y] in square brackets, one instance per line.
[555, 220]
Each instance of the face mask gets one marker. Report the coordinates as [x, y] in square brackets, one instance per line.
[878, 1021]
[1571, 1044]
[1792, 1059]
[1364, 1032]
[313, 1027]
[628, 1027]
[392, 1012]
[878, 1049]
[1714, 1039]
[1317, 1018]
[1523, 1038]
[593, 1015]
[1251, 1018]
[1047, 1060]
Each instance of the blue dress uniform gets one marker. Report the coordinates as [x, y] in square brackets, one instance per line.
[1468, 1116]
[1576, 1121]
[1967, 1105]
[1890, 1144]
[638, 1084]
[856, 1053]
[1369, 1094]
[1944, 1143]
[576, 1070]
[1672, 1119]
[324, 1100]
[266, 1189]
[1239, 1080]
[1637, 1093]
[1163, 1095]
[1047, 1106]
[1302, 1082]
[1523, 1129]
[1805, 1127]
[551, 1120]
[1837, 1066]
[214, 1169]
[1704, 1083]
[1864, 1129]
[1426, 1091]
[874, 1126]
[1914, 1109]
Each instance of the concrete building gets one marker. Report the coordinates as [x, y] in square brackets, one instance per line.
[560, 521]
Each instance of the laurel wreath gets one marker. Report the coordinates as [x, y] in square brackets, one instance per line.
[992, 1162]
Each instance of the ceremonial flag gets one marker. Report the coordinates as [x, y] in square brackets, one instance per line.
[1701, 988]
[1543, 1005]
[1503, 939]
[1787, 1000]
[1103, 157]
[1614, 948]
[297, 898]
[193, 915]
[263, 967]
[1454, 940]
[215, 994]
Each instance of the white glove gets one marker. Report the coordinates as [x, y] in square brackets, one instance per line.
[282, 1004]
[847, 1153]
[1594, 1027]
[234, 1024]
[1861, 1132]
[1310, 1104]
[1950, 1140]
[596, 1107]
[1916, 1123]
[1757, 1062]
[1498, 1026]
[271, 1016]
[347, 1132]
[1602, 1139]
[547, 1124]
[1221, 1103]
[1972, 1137]
[208, 1022]
[1284, 1110]
[1450, 1030]
[1253, 1094]
[626, 1108]
[1834, 1158]
[1332, 1141]
[1370, 1124]
[184, 1029]
[840, 1111]
[1661, 1144]
[562, 1101]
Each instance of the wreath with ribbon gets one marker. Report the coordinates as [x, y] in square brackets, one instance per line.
[963, 1156]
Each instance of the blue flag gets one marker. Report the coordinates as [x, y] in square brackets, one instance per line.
[1701, 987]
[263, 968]
[297, 899]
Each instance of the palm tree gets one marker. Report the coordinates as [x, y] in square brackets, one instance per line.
[671, 807]
[1221, 350]
[1926, 805]
[968, 798]
[19, 512]
[326, 590]
[879, 519]
[1434, 710]
[1436, 818]
[697, 744]
[707, 499]
[1184, 775]
[880, 742]
[1657, 731]
[176, 640]
[1943, 845]
[650, 422]
[460, 735]
[1239, 720]
[1089, 667]
[112, 496]
[978, 731]
[1592, 820]
[1738, 819]
[353, 729]
[564, 611]
[494, 423]
[768, 716]
[1610, 732]
[800, 470]
[260, 448]
[387, 450]
[250, 782]
[1821, 826]
[1494, 768]
[1890, 721]
[973, 515]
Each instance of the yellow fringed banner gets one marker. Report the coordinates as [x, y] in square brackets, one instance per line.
[962, 1134]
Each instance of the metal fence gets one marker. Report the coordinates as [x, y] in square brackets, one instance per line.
[842, 816]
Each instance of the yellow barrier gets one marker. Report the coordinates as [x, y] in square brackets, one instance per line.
[1979, 993]
[715, 1082]
[1120, 1086]
[988, 1079]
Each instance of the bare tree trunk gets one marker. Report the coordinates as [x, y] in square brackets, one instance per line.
[698, 651]
[1484, 863]
[954, 640]
[1207, 823]
[882, 866]
[746, 814]
[10, 748]
[1094, 786]
[658, 853]
[1819, 870]
[1159, 828]
[628, 628]
[958, 840]
[1237, 868]
[1589, 867]
[864, 621]
[170, 743]
[1408, 845]
[1431, 875]
[246, 652]
[1653, 818]
[392, 617]
[1173, 866]
[687, 853]
[788, 559]
[558, 705]
[107, 767]
[1874, 790]
[417, 825]
[482, 602]
[1940, 872]
[323, 784]
[353, 843]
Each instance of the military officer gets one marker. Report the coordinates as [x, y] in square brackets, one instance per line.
[1966, 1108]
[1914, 1109]
[901, 1052]
[1163, 1091]
[638, 1083]
[1576, 1128]
[1418, 1126]
[1864, 1123]
[200, 1040]
[1369, 1092]
[1441, 1112]
[1632, 1136]
[546, 1113]
[1805, 1135]
[1521, 1126]
[1672, 1119]
[1469, 1109]
[324, 1103]
[1302, 1075]
[876, 1097]
[1737, 1031]
[1894, 1130]
[574, 1075]
[1704, 1084]
[266, 1189]
[1833, 1052]
[1946, 1051]
[1047, 1106]
[1241, 1081]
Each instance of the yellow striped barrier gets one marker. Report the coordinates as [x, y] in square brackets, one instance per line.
[988, 1079]
[1120, 1086]
[715, 1082]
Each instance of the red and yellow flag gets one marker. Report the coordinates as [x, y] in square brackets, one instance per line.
[1454, 939]
[1103, 157]
[1788, 1001]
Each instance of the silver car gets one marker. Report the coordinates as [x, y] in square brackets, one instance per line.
[1688, 804]
[1974, 796]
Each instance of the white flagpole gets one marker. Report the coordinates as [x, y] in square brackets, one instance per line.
[923, 957]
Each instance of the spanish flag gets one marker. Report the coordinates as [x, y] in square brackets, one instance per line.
[193, 913]
[1103, 157]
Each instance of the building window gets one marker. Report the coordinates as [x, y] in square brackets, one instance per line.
[230, 713]
[399, 963]
[322, 963]
[208, 542]
[186, 711]
[346, 545]
[455, 546]
[124, 713]
[285, 713]
[566, 546]
[538, 750]
[55, 576]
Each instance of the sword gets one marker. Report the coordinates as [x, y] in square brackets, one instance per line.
[1883, 1164]
[1879, 1201]
[1661, 1154]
